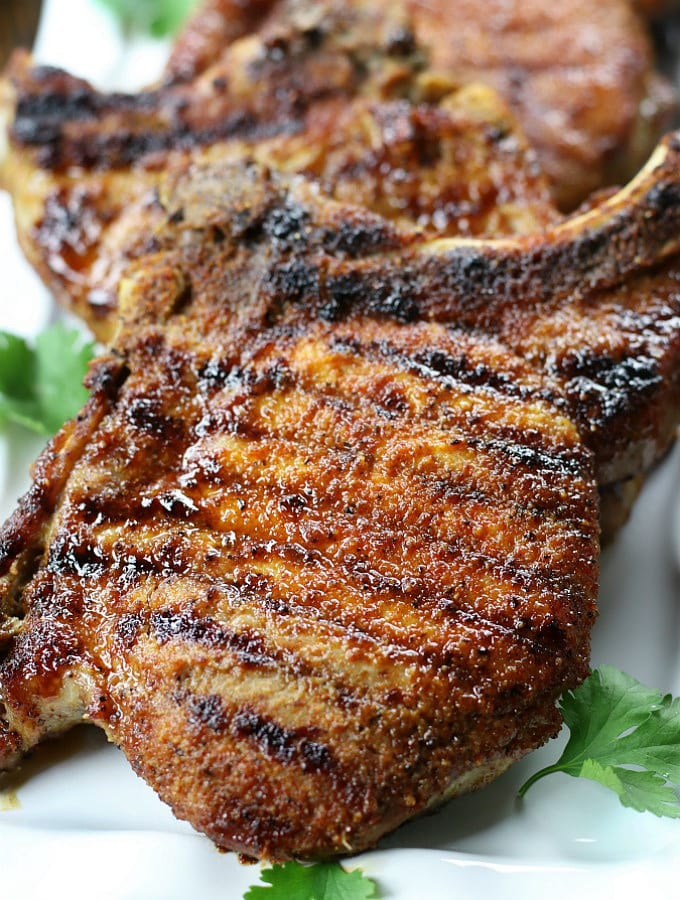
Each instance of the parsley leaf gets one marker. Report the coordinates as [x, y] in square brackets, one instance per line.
[324, 881]
[158, 18]
[625, 736]
[41, 387]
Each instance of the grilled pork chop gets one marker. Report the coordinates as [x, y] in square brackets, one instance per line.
[85, 172]
[579, 75]
[313, 561]
[321, 551]
[84, 167]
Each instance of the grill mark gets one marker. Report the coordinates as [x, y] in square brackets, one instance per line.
[249, 648]
[290, 746]
[252, 651]
[452, 371]
[566, 461]
[542, 453]
[283, 744]
[601, 388]
[71, 555]
[207, 709]
[123, 148]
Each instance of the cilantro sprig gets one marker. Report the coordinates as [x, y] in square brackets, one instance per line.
[625, 736]
[323, 881]
[42, 386]
[157, 18]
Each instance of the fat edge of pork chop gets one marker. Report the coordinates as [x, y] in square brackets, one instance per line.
[312, 572]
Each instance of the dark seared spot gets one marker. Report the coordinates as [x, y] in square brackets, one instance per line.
[342, 294]
[207, 710]
[106, 376]
[664, 196]
[460, 369]
[39, 116]
[175, 502]
[401, 42]
[550, 635]
[473, 271]
[123, 148]
[295, 281]
[284, 745]
[567, 461]
[249, 648]
[395, 301]
[146, 414]
[285, 225]
[357, 238]
[223, 374]
[128, 629]
[70, 556]
[603, 387]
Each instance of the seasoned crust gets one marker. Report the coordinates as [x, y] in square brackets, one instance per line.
[84, 167]
[579, 75]
[309, 572]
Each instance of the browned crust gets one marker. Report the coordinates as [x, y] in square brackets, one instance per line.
[309, 570]
[579, 76]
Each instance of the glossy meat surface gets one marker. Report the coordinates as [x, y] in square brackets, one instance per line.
[84, 167]
[579, 76]
[313, 565]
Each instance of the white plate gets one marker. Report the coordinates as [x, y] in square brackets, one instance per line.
[87, 827]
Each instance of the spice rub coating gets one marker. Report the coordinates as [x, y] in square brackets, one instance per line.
[578, 75]
[333, 91]
[312, 571]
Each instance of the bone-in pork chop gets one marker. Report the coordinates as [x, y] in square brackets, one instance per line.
[314, 562]
[320, 550]
[579, 75]
[85, 188]
[322, 90]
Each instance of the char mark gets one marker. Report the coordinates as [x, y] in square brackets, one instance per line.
[567, 461]
[291, 746]
[41, 121]
[249, 649]
[606, 386]
[346, 294]
[283, 744]
[453, 370]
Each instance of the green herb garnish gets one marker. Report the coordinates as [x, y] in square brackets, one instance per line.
[625, 736]
[324, 881]
[41, 387]
[158, 18]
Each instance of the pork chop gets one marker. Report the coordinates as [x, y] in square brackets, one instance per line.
[321, 551]
[323, 90]
[312, 560]
[579, 75]
[455, 167]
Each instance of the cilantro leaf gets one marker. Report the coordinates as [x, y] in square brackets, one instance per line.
[158, 18]
[324, 881]
[625, 736]
[41, 387]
